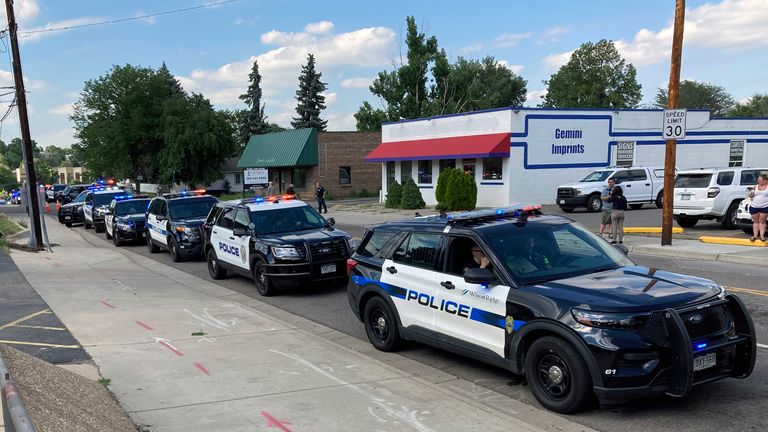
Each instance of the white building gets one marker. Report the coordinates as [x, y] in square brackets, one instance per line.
[521, 155]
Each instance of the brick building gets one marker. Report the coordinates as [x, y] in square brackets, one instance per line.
[304, 156]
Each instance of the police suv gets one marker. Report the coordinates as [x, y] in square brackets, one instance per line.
[124, 219]
[174, 222]
[543, 297]
[95, 206]
[275, 241]
[72, 212]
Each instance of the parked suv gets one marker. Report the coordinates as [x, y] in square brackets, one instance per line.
[71, 192]
[641, 186]
[175, 222]
[712, 194]
[544, 297]
[96, 203]
[278, 243]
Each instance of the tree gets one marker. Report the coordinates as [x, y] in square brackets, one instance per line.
[310, 100]
[370, 119]
[394, 195]
[411, 198]
[255, 121]
[53, 155]
[596, 76]
[756, 106]
[461, 193]
[699, 95]
[7, 178]
[13, 154]
[172, 84]
[3, 148]
[44, 172]
[443, 181]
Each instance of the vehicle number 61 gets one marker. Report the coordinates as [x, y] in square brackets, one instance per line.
[610, 371]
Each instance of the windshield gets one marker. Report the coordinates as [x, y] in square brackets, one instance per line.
[81, 197]
[58, 187]
[190, 208]
[105, 198]
[536, 253]
[123, 208]
[287, 219]
[693, 180]
[597, 176]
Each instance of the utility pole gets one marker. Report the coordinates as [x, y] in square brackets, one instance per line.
[670, 157]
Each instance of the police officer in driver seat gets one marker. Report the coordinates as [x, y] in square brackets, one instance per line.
[529, 258]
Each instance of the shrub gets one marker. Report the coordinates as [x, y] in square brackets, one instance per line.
[411, 198]
[394, 195]
[461, 193]
[365, 194]
[442, 185]
[353, 194]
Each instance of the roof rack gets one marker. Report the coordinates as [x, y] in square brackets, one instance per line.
[517, 211]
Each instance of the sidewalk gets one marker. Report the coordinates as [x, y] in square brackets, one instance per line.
[184, 354]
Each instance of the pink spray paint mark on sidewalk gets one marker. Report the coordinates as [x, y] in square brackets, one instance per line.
[202, 368]
[107, 304]
[273, 422]
[144, 325]
[169, 346]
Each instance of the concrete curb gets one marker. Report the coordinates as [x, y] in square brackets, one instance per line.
[650, 230]
[15, 416]
[732, 241]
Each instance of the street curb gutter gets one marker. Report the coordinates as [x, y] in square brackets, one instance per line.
[669, 252]
[650, 230]
[732, 241]
[15, 415]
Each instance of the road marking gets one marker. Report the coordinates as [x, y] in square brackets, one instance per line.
[748, 291]
[26, 318]
[41, 327]
[10, 342]
[762, 346]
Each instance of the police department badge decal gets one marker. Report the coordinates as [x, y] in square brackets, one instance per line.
[242, 253]
[510, 324]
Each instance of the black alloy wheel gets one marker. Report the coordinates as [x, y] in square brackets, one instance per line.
[151, 245]
[380, 325]
[558, 375]
[115, 236]
[173, 247]
[264, 284]
[214, 269]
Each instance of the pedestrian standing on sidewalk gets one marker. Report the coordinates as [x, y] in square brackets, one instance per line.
[619, 202]
[270, 189]
[321, 198]
[759, 207]
[605, 221]
[291, 191]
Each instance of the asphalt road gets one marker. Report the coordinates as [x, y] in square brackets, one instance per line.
[723, 405]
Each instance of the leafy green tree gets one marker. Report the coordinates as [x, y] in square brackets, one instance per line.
[197, 141]
[596, 76]
[13, 154]
[53, 155]
[411, 196]
[443, 181]
[255, 121]
[756, 106]
[699, 95]
[461, 193]
[172, 84]
[7, 178]
[310, 100]
[370, 119]
[3, 148]
[394, 195]
[45, 172]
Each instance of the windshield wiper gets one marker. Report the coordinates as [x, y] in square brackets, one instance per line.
[605, 268]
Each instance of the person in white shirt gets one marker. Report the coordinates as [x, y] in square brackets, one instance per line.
[759, 207]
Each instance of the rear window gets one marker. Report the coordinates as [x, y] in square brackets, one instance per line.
[639, 175]
[725, 178]
[693, 180]
[375, 243]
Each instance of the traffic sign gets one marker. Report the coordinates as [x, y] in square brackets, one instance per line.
[674, 124]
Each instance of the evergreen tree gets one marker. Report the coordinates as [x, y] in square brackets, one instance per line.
[309, 98]
[173, 84]
[255, 121]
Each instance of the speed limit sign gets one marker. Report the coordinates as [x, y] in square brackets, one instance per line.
[674, 124]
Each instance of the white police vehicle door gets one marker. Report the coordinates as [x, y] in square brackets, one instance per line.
[222, 238]
[471, 313]
[88, 208]
[109, 218]
[410, 277]
[157, 222]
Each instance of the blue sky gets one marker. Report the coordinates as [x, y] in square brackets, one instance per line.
[211, 50]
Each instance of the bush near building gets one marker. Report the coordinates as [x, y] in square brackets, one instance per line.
[442, 186]
[411, 198]
[461, 192]
[394, 195]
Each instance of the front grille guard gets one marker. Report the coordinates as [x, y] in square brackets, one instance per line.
[681, 349]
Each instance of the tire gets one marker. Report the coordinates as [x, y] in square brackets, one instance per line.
[173, 247]
[567, 210]
[68, 224]
[264, 285]
[594, 203]
[558, 375]
[635, 206]
[659, 200]
[686, 222]
[381, 325]
[214, 269]
[115, 237]
[86, 225]
[729, 222]
[153, 249]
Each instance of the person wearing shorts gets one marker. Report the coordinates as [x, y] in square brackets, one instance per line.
[605, 222]
[759, 207]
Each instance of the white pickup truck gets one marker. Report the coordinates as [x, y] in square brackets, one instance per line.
[641, 185]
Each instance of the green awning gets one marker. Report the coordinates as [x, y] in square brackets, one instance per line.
[281, 149]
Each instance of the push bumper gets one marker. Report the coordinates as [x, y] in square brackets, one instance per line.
[133, 235]
[300, 273]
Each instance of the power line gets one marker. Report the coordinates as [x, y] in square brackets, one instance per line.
[208, 5]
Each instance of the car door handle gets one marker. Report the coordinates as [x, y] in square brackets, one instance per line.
[448, 285]
[215, 232]
[647, 184]
[629, 185]
[392, 269]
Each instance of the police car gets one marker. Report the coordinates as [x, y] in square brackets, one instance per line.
[95, 206]
[72, 213]
[543, 297]
[124, 219]
[174, 222]
[277, 241]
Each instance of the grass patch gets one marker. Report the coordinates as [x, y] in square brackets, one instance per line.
[7, 229]
[233, 196]
[105, 381]
[199, 333]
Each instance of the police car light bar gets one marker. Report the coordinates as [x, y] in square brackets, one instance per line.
[123, 197]
[515, 211]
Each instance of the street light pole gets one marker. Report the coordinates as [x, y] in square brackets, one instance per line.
[670, 155]
[26, 140]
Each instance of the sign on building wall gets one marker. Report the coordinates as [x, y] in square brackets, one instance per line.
[736, 158]
[565, 141]
[625, 153]
[255, 177]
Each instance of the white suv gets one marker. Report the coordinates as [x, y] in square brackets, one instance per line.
[712, 194]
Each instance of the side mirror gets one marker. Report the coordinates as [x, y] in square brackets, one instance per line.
[479, 276]
[622, 248]
[331, 221]
[107, 212]
[240, 232]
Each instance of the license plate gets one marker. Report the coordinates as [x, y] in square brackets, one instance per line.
[67, 217]
[685, 197]
[705, 361]
[327, 268]
[562, 202]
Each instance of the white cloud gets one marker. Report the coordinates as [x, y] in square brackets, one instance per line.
[470, 50]
[535, 97]
[238, 21]
[553, 62]
[65, 109]
[330, 98]
[59, 137]
[356, 82]
[6, 79]
[508, 40]
[30, 9]
[518, 69]
[319, 27]
[553, 35]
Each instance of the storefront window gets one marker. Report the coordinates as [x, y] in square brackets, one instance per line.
[468, 165]
[390, 173]
[406, 171]
[492, 169]
[425, 171]
[447, 164]
[299, 176]
[345, 175]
